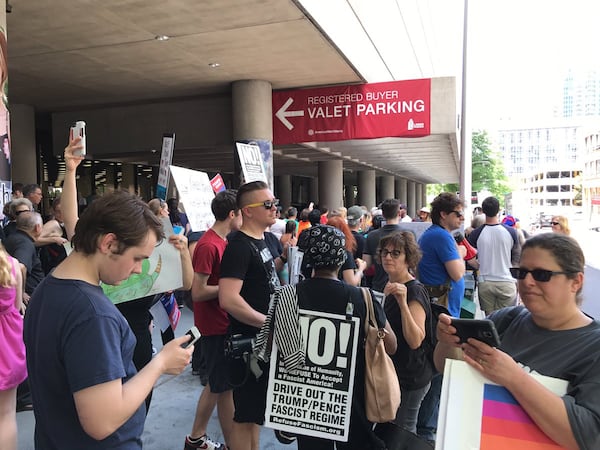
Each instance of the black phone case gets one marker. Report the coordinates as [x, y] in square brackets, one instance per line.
[483, 330]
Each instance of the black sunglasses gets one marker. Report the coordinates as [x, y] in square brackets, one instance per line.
[267, 204]
[458, 213]
[22, 211]
[554, 223]
[537, 274]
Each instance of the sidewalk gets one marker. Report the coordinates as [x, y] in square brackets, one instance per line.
[171, 412]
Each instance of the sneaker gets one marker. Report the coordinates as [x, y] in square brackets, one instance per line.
[203, 442]
[284, 437]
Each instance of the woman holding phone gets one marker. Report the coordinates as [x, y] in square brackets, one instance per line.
[550, 336]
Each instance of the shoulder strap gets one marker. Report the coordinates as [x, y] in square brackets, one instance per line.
[370, 312]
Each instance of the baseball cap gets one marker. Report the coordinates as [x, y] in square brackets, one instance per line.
[354, 214]
[323, 246]
[425, 209]
[509, 221]
[402, 206]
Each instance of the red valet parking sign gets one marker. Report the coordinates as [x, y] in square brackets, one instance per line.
[339, 113]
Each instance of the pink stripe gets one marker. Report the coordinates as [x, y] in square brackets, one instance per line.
[505, 411]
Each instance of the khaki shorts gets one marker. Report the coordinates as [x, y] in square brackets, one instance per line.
[494, 295]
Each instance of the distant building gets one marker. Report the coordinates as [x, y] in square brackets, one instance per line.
[591, 179]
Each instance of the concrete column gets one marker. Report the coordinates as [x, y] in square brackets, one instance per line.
[331, 181]
[418, 196]
[313, 191]
[401, 190]
[284, 190]
[424, 196]
[349, 195]
[23, 153]
[386, 187]
[411, 198]
[366, 188]
[252, 117]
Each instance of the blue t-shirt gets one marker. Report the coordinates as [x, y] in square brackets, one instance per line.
[438, 247]
[76, 338]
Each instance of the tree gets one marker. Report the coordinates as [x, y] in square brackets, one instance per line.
[487, 170]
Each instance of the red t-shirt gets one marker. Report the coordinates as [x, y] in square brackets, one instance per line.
[210, 319]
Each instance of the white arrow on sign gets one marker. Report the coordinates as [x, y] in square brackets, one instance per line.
[283, 113]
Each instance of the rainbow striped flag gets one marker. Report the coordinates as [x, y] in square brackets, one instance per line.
[506, 425]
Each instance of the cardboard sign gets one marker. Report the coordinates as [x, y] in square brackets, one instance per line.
[316, 400]
[160, 273]
[251, 161]
[196, 194]
[478, 414]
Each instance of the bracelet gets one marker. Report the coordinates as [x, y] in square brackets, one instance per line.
[283, 258]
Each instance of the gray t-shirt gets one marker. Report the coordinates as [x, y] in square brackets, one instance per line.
[572, 355]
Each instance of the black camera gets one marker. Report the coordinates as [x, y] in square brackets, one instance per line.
[238, 345]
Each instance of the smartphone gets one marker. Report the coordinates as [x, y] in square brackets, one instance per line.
[79, 130]
[195, 334]
[483, 330]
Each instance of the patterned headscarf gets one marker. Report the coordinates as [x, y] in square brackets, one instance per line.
[323, 246]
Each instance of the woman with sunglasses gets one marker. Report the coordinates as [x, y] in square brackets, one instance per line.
[407, 309]
[560, 224]
[550, 336]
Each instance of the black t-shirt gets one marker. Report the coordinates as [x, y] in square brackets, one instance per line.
[412, 366]
[361, 241]
[250, 260]
[332, 296]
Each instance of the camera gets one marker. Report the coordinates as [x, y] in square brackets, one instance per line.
[238, 345]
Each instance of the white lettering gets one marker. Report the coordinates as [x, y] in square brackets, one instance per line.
[400, 107]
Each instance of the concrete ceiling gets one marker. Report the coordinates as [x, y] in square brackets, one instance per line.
[68, 54]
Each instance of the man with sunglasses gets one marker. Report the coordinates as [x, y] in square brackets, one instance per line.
[442, 266]
[499, 249]
[16, 207]
[248, 277]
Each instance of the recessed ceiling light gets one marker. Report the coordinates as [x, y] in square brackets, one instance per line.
[161, 37]
[213, 65]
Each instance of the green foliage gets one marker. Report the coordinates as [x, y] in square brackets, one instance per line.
[487, 170]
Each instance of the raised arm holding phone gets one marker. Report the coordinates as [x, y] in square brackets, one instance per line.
[79, 347]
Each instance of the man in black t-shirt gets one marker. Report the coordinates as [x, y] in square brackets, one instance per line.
[248, 277]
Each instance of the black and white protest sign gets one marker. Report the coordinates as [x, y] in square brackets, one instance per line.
[316, 400]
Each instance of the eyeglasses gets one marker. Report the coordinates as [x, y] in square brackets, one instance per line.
[459, 214]
[554, 223]
[267, 204]
[537, 274]
[22, 211]
[394, 253]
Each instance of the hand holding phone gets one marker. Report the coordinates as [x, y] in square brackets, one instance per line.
[195, 335]
[483, 330]
[78, 130]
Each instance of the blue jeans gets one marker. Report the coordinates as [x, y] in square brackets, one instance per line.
[430, 406]
[406, 417]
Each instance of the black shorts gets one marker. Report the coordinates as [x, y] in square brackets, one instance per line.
[212, 349]
[249, 399]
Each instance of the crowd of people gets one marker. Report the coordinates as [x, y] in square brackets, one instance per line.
[98, 398]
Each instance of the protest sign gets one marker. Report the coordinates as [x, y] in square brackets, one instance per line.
[251, 162]
[196, 194]
[317, 399]
[478, 414]
[154, 278]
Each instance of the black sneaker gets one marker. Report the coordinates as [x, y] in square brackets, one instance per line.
[284, 437]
